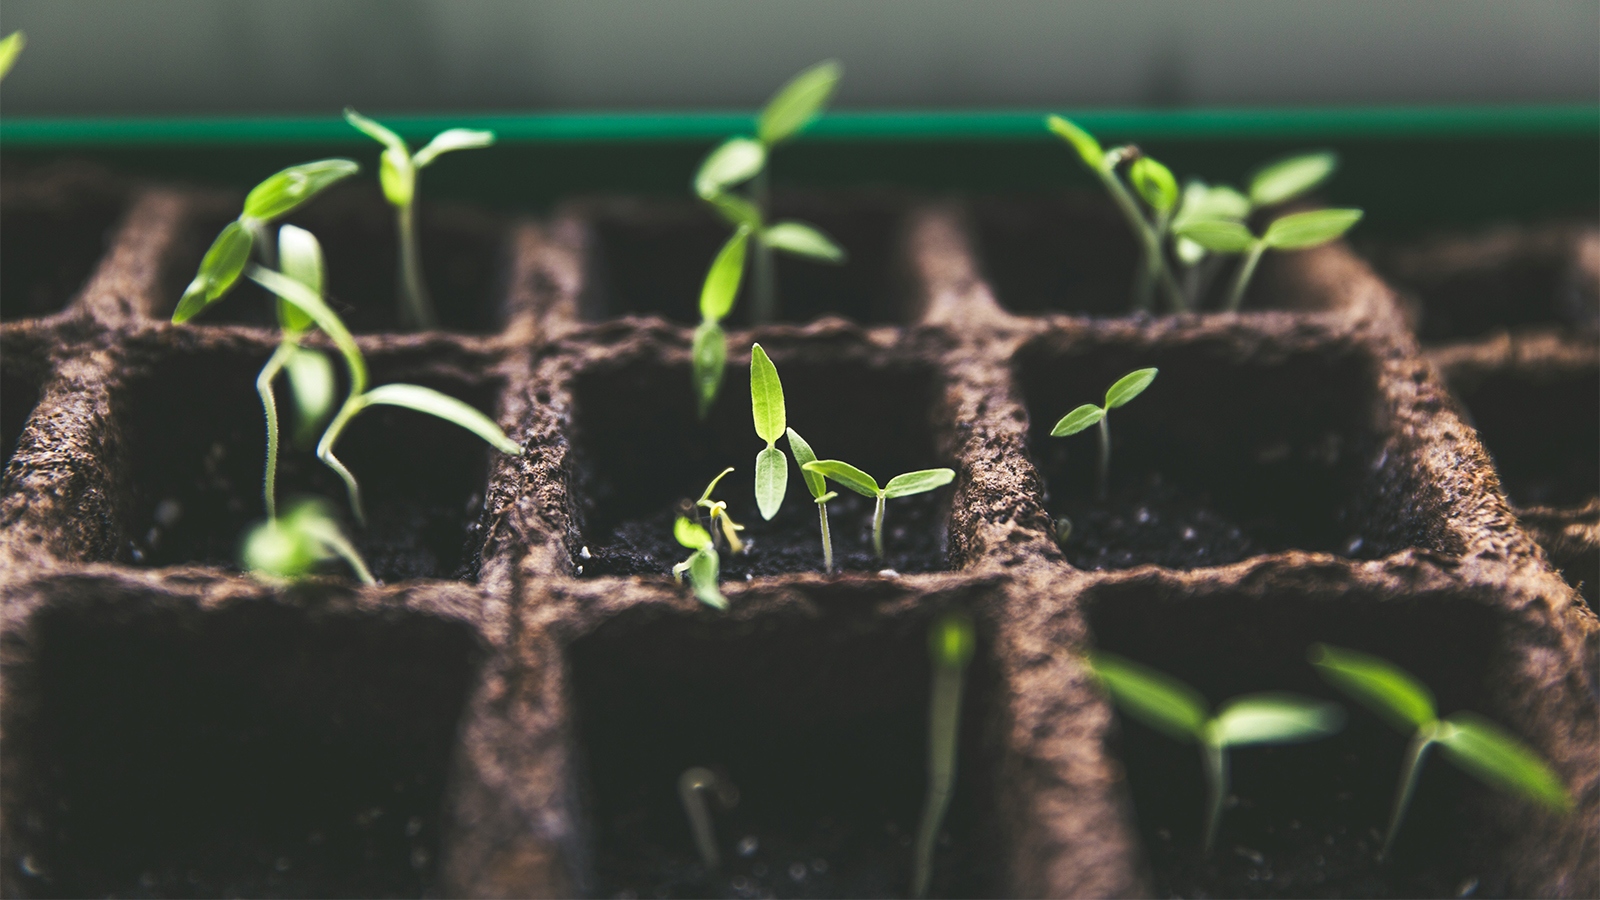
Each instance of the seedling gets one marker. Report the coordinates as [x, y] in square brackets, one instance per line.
[397, 172]
[294, 544]
[1178, 711]
[717, 510]
[709, 352]
[899, 486]
[950, 645]
[1471, 742]
[818, 486]
[1126, 388]
[10, 46]
[766, 407]
[693, 786]
[703, 565]
[1297, 231]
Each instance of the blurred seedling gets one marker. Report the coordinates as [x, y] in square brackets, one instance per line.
[818, 486]
[1126, 388]
[703, 565]
[1178, 711]
[10, 47]
[899, 486]
[694, 785]
[950, 646]
[297, 543]
[397, 172]
[1297, 231]
[717, 512]
[1473, 743]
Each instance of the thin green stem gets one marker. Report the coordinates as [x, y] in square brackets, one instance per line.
[416, 308]
[1152, 260]
[944, 721]
[1215, 758]
[1242, 280]
[692, 787]
[352, 405]
[339, 544]
[1105, 456]
[877, 527]
[1420, 742]
[827, 541]
[269, 405]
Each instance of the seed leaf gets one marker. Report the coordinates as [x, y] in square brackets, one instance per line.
[1088, 148]
[1155, 183]
[691, 534]
[800, 239]
[736, 210]
[300, 258]
[722, 280]
[1275, 718]
[815, 483]
[1217, 235]
[398, 177]
[283, 192]
[705, 498]
[1129, 386]
[1077, 420]
[709, 354]
[918, 482]
[453, 139]
[772, 481]
[951, 640]
[377, 132]
[847, 475]
[1494, 756]
[311, 380]
[795, 104]
[1154, 698]
[736, 161]
[219, 269]
[1377, 684]
[293, 544]
[766, 397]
[1289, 178]
[1308, 229]
[311, 304]
[704, 567]
[1202, 201]
[10, 47]
[443, 406]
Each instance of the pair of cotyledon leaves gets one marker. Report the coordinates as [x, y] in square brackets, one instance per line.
[1124, 389]
[704, 566]
[397, 167]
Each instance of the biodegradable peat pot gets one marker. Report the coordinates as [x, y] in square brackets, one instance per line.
[509, 716]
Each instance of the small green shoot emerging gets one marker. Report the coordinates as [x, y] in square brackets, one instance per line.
[693, 786]
[899, 486]
[294, 544]
[950, 644]
[10, 46]
[1473, 743]
[1178, 711]
[766, 407]
[818, 486]
[717, 510]
[397, 172]
[703, 565]
[1126, 388]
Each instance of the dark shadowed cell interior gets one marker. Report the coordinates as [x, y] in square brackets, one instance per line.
[1543, 429]
[53, 241]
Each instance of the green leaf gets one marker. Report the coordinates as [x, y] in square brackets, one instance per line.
[951, 640]
[1077, 420]
[1088, 148]
[298, 294]
[1494, 756]
[300, 258]
[736, 210]
[691, 534]
[918, 482]
[800, 239]
[1377, 684]
[815, 483]
[1202, 202]
[1154, 698]
[736, 161]
[1188, 251]
[1308, 229]
[453, 139]
[1129, 386]
[443, 406]
[722, 279]
[219, 269]
[1289, 178]
[377, 132]
[397, 176]
[795, 104]
[1155, 183]
[772, 481]
[1275, 718]
[10, 47]
[705, 498]
[285, 191]
[292, 545]
[847, 475]
[709, 354]
[766, 397]
[1217, 235]
[310, 375]
[704, 568]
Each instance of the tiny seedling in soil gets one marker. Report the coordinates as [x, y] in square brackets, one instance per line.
[693, 786]
[397, 172]
[1178, 711]
[818, 486]
[717, 510]
[1475, 744]
[766, 408]
[950, 644]
[899, 486]
[1126, 388]
[703, 565]
[1297, 231]
[10, 46]
[298, 542]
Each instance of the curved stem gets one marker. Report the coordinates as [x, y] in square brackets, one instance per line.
[1420, 742]
[877, 527]
[827, 541]
[944, 720]
[692, 787]
[341, 545]
[1246, 269]
[1215, 758]
[269, 405]
[352, 405]
[416, 308]
[1105, 456]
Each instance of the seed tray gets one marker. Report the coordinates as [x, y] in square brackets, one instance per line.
[508, 713]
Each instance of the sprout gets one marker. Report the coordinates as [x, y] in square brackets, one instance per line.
[1475, 744]
[1178, 711]
[709, 353]
[863, 484]
[818, 486]
[950, 645]
[10, 46]
[1297, 231]
[294, 544]
[718, 511]
[1126, 388]
[703, 565]
[397, 172]
[766, 407]
[693, 785]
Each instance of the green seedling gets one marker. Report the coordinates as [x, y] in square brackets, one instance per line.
[717, 510]
[818, 486]
[703, 565]
[950, 645]
[899, 486]
[766, 407]
[693, 786]
[397, 172]
[267, 202]
[294, 544]
[1471, 742]
[709, 352]
[1178, 711]
[10, 47]
[1297, 231]
[1126, 388]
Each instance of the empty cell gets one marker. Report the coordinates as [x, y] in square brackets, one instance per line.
[56, 230]
[1541, 423]
[255, 750]
[652, 259]
[821, 725]
[639, 452]
[1225, 455]
[19, 394]
[196, 439]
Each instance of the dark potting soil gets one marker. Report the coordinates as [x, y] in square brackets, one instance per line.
[55, 234]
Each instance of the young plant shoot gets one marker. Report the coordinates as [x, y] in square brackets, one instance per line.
[950, 644]
[1126, 388]
[818, 486]
[717, 510]
[709, 352]
[1297, 231]
[766, 407]
[1178, 711]
[397, 172]
[899, 486]
[10, 47]
[703, 565]
[294, 544]
[1473, 743]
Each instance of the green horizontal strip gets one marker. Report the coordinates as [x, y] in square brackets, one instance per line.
[540, 128]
